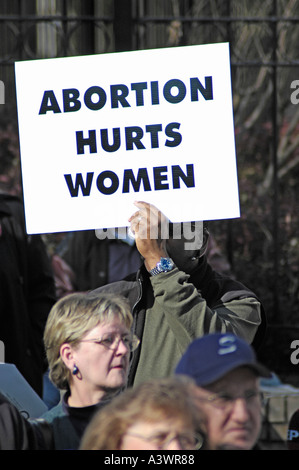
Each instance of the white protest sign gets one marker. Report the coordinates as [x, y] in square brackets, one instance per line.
[100, 132]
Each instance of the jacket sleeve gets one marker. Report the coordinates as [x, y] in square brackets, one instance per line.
[189, 315]
[18, 433]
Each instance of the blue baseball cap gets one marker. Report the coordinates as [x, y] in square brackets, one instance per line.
[210, 357]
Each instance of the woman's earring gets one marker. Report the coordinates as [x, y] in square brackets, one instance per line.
[75, 370]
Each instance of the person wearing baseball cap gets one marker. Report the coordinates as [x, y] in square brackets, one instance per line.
[226, 372]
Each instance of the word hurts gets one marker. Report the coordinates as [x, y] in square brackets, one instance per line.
[107, 182]
[95, 98]
[133, 136]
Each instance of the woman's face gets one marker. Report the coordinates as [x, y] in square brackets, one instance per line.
[103, 366]
[168, 434]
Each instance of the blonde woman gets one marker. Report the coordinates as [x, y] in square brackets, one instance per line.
[157, 414]
[88, 344]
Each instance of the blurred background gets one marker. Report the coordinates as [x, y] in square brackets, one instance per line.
[261, 248]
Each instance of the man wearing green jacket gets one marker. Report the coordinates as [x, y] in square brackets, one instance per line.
[176, 297]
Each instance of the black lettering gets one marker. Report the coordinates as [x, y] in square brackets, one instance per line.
[159, 178]
[114, 182]
[139, 87]
[154, 129]
[49, 103]
[188, 178]
[142, 176]
[70, 100]
[79, 183]
[155, 92]
[118, 95]
[206, 91]
[116, 140]
[90, 93]
[176, 136]
[181, 91]
[133, 136]
[91, 141]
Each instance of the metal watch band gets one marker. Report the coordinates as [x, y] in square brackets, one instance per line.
[154, 271]
[165, 265]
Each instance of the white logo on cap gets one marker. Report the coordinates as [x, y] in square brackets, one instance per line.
[227, 344]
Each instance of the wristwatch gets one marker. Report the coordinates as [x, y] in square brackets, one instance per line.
[165, 265]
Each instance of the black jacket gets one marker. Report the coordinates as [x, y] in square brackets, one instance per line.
[19, 433]
[27, 292]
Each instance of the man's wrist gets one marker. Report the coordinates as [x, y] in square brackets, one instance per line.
[151, 261]
[164, 265]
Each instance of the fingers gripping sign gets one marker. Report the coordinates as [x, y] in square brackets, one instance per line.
[148, 225]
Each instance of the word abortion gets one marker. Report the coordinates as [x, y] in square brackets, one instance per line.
[95, 97]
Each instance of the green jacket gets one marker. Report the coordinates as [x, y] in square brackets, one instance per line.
[172, 309]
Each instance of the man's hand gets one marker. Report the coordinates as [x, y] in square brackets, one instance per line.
[149, 225]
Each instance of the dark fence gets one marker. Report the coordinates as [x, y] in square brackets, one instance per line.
[263, 246]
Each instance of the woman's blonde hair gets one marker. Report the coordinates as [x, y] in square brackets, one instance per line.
[151, 401]
[71, 318]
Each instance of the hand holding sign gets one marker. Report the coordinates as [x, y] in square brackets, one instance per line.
[147, 224]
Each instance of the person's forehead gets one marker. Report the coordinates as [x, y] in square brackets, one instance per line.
[164, 425]
[239, 377]
[115, 325]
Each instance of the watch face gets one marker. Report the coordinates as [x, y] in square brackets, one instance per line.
[166, 264]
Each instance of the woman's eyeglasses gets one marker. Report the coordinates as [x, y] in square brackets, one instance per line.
[112, 341]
